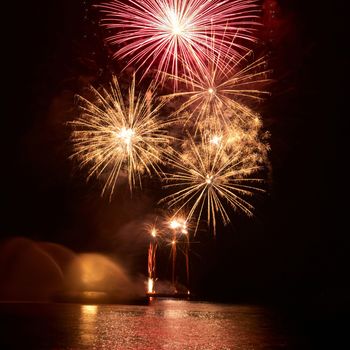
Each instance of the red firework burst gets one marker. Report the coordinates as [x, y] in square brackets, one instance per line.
[170, 35]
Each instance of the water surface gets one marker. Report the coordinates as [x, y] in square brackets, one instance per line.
[164, 324]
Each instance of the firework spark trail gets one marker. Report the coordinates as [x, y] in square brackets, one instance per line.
[217, 96]
[178, 225]
[209, 175]
[163, 34]
[152, 250]
[115, 136]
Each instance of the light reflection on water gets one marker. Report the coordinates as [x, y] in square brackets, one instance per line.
[164, 324]
[87, 324]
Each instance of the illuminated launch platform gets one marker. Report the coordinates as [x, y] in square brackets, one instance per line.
[183, 296]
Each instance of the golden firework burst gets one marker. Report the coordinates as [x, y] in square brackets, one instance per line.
[116, 137]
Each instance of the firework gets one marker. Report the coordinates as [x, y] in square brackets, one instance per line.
[218, 96]
[172, 35]
[208, 175]
[174, 232]
[115, 137]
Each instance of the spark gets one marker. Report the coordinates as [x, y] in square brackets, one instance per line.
[171, 35]
[117, 137]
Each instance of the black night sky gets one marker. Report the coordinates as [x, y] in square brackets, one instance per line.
[55, 48]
